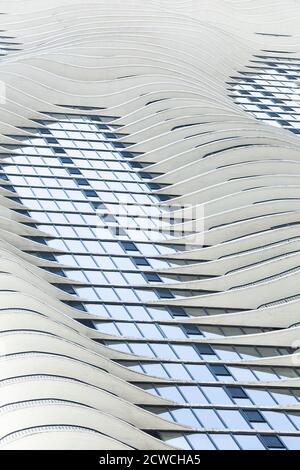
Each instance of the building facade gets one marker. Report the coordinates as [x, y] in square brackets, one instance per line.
[149, 225]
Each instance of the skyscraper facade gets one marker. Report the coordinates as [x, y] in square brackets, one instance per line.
[149, 225]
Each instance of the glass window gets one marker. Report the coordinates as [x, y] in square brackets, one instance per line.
[128, 246]
[108, 328]
[236, 392]
[149, 331]
[295, 418]
[155, 369]
[265, 374]
[87, 293]
[106, 294]
[95, 277]
[217, 396]
[114, 278]
[201, 373]
[146, 295]
[242, 374]
[117, 311]
[233, 419]
[254, 416]
[209, 419]
[76, 275]
[219, 370]
[97, 310]
[260, 397]
[126, 295]
[172, 331]
[85, 261]
[171, 393]
[177, 311]
[123, 263]
[175, 440]
[58, 244]
[138, 313]
[159, 313]
[93, 246]
[193, 394]
[152, 277]
[278, 421]
[129, 329]
[224, 442]
[134, 279]
[186, 352]
[177, 371]
[185, 416]
[112, 248]
[103, 262]
[66, 259]
[200, 442]
[271, 442]
[204, 349]
[75, 245]
[139, 261]
[291, 442]
[247, 442]
[283, 397]
[141, 349]
[192, 330]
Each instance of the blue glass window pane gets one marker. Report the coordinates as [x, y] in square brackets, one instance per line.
[155, 369]
[233, 419]
[186, 417]
[177, 371]
[260, 397]
[291, 442]
[236, 392]
[271, 442]
[278, 421]
[247, 442]
[254, 416]
[171, 393]
[224, 442]
[176, 441]
[200, 442]
[217, 395]
[193, 394]
[201, 373]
